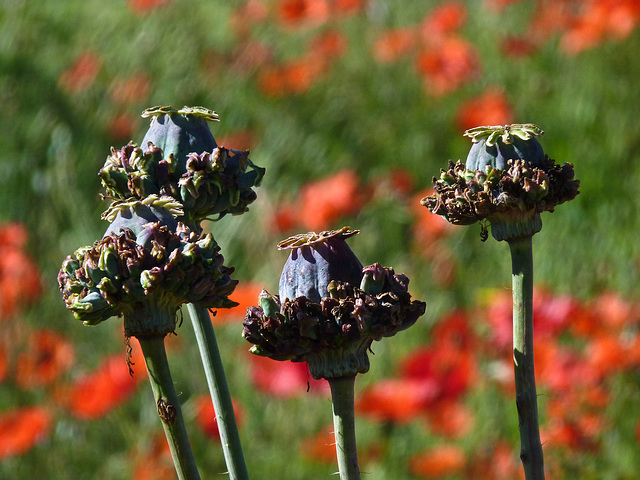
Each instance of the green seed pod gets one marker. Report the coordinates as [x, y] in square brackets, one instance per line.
[494, 146]
[179, 158]
[145, 275]
[316, 259]
[335, 332]
[507, 180]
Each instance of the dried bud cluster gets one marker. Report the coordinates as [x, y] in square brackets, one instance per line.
[510, 198]
[138, 276]
[209, 183]
[179, 158]
[334, 334]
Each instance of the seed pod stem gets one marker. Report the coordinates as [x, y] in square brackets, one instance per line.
[342, 397]
[168, 406]
[219, 390]
[523, 361]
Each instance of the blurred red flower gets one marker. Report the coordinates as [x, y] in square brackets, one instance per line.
[48, 355]
[240, 140]
[19, 276]
[445, 19]
[447, 65]
[552, 314]
[96, 394]
[155, 463]
[320, 447]
[490, 108]
[283, 379]
[130, 90]
[495, 462]
[250, 13]
[144, 6]
[285, 218]
[449, 371]
[293, 77]
[207, 419]
[298, 13]
[328, 45]
[600, 20]
[450, 419]
[23, 428]
[246, 294]
[394, 44]
[4, 363]
[441, 461]
[324, 201]
[397, 400]
[81, 75]
[122, 126]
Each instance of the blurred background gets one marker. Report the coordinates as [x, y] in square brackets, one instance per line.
[352, 106]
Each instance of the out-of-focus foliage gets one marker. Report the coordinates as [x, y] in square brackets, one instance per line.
[352, 106]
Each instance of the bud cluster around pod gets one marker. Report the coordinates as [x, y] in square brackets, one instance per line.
[179, 158]
[509, 192]
[156, 269]
[334, 333]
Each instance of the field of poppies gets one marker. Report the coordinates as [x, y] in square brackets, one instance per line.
[352, 107]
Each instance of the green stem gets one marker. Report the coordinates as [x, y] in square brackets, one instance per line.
[526, 397]
[342, 397]
[169, 407]
[219, 390]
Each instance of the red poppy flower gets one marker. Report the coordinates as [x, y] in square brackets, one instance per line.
[394, 44]
[22, 429]
[438, 462]
[448, 65]
[144, 6]
[320, 447]
[445, 19]
[490, 108]
[284, 219]
[449, 370]
[82, 74]
[246, 294]
[303, 12]
[207, 419]
[552, 314]
[122, 126]
[4, 364]
[240, 140]
[98, 393]
[397, 400]
[324, 201]
[347, 6]
[450, 419]
[19, 276]
[283, 379]
[294, 77]
[48, 355]
[328, 45]
[250, 13]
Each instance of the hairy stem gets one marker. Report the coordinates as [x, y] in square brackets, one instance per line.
[219, 390]
[169, 407]
[342, 397]
[526, 397]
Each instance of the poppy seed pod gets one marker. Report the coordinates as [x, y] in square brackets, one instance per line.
[333, 333]
[179, 158]
[507, 180]
[317, 259]
[145, 272]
